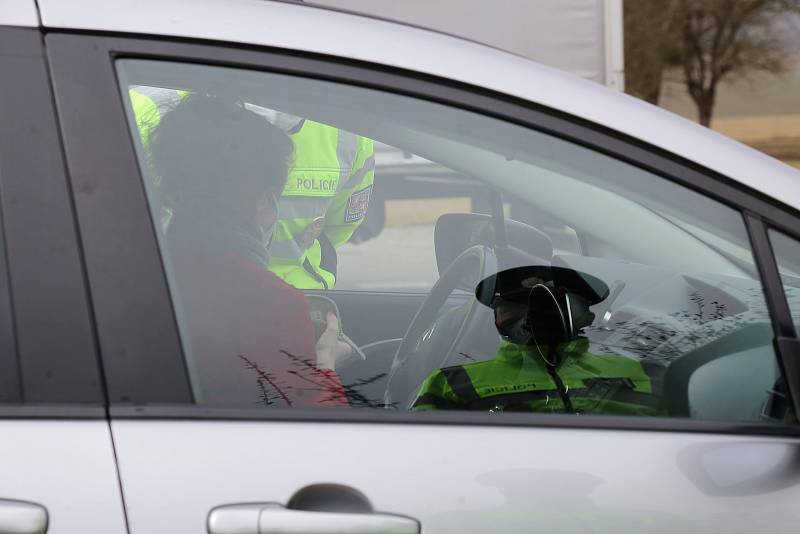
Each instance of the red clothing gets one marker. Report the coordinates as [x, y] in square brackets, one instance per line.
[248, 336]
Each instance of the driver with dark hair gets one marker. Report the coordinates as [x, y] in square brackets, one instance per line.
[543, 363]
[249, 334]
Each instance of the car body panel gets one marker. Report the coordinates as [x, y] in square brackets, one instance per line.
[322, 31]
[19, 13]
[67, 466]
[465, 479]
[56, 449]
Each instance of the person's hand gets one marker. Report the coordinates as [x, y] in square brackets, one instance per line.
[330, 348]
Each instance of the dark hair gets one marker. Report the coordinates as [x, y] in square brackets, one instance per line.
[213, 152]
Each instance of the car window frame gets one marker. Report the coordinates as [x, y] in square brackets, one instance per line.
[58, 371]
[82, 64]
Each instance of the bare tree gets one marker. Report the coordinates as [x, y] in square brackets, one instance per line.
[649, 33]
[723, 39]
[705, 42]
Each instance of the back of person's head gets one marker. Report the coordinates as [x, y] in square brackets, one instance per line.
[215, 154]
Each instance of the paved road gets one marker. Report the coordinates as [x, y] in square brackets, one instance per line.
[401, 258]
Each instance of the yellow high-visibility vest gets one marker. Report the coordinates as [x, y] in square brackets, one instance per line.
[325, 199]
[517, 379]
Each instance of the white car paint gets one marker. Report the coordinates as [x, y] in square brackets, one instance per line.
[310, 29]
[463, 479]
[18, 13]
[67, 466]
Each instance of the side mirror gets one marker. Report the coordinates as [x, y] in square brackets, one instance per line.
[456, 232]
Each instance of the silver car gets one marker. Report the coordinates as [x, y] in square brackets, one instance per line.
[573, 312]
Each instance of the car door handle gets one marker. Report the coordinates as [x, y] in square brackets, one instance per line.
[20, 517]
[269, 518]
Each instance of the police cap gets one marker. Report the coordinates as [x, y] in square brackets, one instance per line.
[514, 285]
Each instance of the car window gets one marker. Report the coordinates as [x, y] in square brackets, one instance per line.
[334, 246]
[405, 204]
[787, 255]
[409, 196]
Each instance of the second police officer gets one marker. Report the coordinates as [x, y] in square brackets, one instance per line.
[325, 200]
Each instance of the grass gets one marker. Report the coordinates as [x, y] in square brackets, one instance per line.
[776, 135]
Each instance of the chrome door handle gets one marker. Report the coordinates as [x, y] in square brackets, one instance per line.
[20, 517]
[268, 518]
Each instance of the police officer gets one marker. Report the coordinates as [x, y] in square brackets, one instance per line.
[326, 195]
[325, 200]
[543, 363]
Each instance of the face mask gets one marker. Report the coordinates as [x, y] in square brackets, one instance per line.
[517, 331]
[539, 321]
[512, 323]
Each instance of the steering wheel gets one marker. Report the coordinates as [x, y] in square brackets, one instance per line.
[431, 341]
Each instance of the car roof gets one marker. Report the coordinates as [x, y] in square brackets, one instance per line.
[318, 30]
[18, 13]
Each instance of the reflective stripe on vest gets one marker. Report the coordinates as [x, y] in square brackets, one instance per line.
[596, 384]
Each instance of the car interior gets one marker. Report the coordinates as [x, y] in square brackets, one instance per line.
[684, 296]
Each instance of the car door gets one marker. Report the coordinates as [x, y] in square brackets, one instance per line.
[693, 302]
[56, 453]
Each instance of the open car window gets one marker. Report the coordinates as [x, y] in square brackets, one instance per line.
[329, 245]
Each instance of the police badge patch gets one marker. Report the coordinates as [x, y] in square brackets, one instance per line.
[357, 205]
